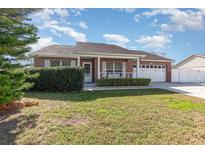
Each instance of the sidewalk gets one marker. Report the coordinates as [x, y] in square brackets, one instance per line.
[92, 87]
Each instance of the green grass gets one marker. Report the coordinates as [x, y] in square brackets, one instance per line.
[150, 116]
[186, 105]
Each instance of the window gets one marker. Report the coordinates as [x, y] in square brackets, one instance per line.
[155, 66]
[147, 66]
[55, 63]
[151, 66]
[113, 67]
[118, 67]
[163, 66]
[143, 66]
[110, 67]
[66, 63]
[159, 66]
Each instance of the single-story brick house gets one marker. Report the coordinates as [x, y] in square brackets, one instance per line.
[106, 61]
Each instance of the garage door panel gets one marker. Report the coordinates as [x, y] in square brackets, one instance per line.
[155, 74]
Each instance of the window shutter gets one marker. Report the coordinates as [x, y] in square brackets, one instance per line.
[124, 69]
[73, 63]
[46, 63]
[103, 69]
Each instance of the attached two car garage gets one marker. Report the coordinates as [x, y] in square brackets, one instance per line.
[157, 73]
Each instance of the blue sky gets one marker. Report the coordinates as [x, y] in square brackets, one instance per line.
[175, 33]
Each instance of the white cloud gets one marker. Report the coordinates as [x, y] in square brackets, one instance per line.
[53, 31]
[42, 42]
[83, 25]
[61, 12]
[77, 11]
[202, 10]
[154, 41]
[154, 23]
[137, 17]
[56, 26]
[117, 39]
[126, 10]
[44, 14]
[70, 31]
[180, 20]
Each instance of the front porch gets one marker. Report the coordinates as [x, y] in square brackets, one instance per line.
[108, 67]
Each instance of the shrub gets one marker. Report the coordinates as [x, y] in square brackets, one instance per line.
[64, 79]
[123, 82]
[12, 85]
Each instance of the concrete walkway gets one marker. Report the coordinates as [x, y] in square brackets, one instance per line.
[191, 89]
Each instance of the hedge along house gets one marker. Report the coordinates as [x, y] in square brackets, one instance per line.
[106, 61]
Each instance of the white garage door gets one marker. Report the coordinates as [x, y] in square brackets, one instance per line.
[188, 76]
[157, 73]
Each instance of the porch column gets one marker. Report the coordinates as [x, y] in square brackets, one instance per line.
[138, 64]
[98, 67]
[78, 60]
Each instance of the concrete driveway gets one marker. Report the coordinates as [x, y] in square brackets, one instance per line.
[192, 89]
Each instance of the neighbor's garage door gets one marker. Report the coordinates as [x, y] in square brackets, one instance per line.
[188, 75]
[157, 73]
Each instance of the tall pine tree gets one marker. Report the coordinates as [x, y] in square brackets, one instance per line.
[16, 33]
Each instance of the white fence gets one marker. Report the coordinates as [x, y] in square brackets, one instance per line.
[195, 76]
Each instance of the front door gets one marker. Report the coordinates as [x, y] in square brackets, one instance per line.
[134, 71]
[87, 71]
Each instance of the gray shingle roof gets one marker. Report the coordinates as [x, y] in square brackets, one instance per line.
[55, 50]
[94, 48]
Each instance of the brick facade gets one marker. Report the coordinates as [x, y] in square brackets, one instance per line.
[39, 62]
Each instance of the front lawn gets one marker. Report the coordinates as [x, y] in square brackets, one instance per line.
[149, 116]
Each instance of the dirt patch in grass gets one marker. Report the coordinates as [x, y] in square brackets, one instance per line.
[75, 121]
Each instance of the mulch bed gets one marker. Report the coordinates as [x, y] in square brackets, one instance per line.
[19, 104]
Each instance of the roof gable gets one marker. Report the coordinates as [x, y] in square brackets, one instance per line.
[182, 64]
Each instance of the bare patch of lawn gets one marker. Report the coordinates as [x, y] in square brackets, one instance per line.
[149, 116]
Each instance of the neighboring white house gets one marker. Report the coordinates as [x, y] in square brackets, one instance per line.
[192, 69]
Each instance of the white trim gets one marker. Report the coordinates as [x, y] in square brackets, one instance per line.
[105, 56]
[138, 65]
[78, 61]
[57, 56]
[109, 54]
[98, 64]
[93, 56]
[117, 57]
[124, 69]
[158, 60]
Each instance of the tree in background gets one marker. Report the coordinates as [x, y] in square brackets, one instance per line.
[16, 33]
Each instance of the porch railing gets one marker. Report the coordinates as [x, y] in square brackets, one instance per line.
[117, 75]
